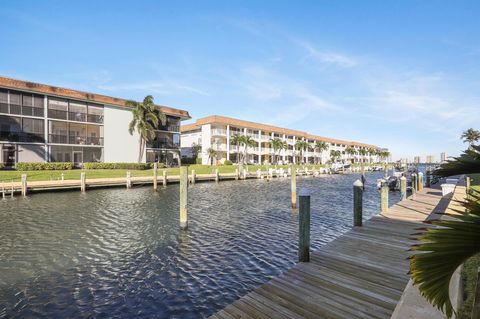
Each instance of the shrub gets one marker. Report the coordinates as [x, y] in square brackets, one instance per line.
[134, 166]
[2, 166]
[227, 162]
[198, 161]
[188, 160]
[29, 166]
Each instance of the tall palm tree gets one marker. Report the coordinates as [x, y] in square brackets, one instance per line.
[237, 140]
[442, 249]
[146, 118]
[350, 151]
[334, 155]
[363, 152]
[470, 136]
[302, 145]
[320, 146]
[212, 153]
[247, 142]
[277, 145]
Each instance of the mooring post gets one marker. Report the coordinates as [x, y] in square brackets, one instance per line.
[384, 197]
[183, 197]
[357, 203]
[155, 176]
[293, 180]
[414, 185]
[83, 186]
[129, 179]
[259, 173]
[428, 177]
[11, 194]
[420, 181]
[244, 173]
[194, 176]
[3, 190]
[237, 174]
[164, 181]
[403, 188]
[304, 225]
[62, 176]
[386, 171]
[217, 176]
[24, 185]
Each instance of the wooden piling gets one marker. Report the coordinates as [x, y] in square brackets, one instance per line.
[183, 197]
[62, 177]
[304, 225]
[244, 171]
[403, 188]
[237, 174]
[129, 179]
[293, 180]
[428, 178]
[259, 173]
[414, 185]
[357, 203]
[24, 185]
[194, 176]
[217, 175]
[155, 176]
[83, 185]
[164, 180]
[384, 197]
[11, 194]
[3, 190]
[420, 181]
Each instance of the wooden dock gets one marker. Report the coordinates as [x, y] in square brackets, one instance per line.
[361, 274]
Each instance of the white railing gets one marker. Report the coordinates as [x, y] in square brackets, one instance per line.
[218, 131]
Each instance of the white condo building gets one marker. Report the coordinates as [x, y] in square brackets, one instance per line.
[216, 132]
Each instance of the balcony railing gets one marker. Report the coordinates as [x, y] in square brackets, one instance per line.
[22, 137]
[77, 116]
[219, 132]
[95, 118]
[76, 140]
[162, 145]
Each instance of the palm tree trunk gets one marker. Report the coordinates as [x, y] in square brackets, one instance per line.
[140, 149]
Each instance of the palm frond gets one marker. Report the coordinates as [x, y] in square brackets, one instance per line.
[466, 163]
[442, 249]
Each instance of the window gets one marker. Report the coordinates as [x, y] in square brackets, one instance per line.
[57, 108]
[95, 113]
[27, 99]
[33, 130]
[77, 111]
[15, 107]
[3, 101]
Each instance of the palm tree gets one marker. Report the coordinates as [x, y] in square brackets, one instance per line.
[363, 152]
[320, 146]
[237, 140]
[277, 145]
[212, 153]
[334, 155]
[470, 136]
[442, 249]
[247, 142]
[195, 148]
[301, 145]
[350, 151]
[146, 118]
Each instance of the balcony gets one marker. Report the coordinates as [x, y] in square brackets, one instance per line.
[32, 111]
[220, 147]
[75, 140]
[95, 118]
[162, 145]
[219, 132]
[75, 116]
[21, 137]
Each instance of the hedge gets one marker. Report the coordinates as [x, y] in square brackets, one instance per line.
[28, 166]
[2, 166]
[227, 162]
[135, 166]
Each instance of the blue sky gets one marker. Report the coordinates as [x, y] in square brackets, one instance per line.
[398, 74]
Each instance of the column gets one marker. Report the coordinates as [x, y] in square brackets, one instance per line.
[45, 128]
[228, 142]
[284, 151]
[260, 147]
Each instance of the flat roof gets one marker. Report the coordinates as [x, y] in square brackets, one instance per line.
[218, 119]
[39, 88]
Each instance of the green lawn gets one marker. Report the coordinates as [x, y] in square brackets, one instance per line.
[7, 176]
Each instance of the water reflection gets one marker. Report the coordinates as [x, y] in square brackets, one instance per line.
[120, 253]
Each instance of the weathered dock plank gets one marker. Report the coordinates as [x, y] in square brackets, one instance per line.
[361, 274]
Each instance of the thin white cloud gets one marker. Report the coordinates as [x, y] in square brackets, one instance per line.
[161, 88]
[326, 57]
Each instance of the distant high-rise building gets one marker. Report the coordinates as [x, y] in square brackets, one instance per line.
[430, 159]
[443, 157]
[416, 159]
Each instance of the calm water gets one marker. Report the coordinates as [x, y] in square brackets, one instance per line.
[120, 253]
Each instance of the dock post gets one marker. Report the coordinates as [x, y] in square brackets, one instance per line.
[357, 203]
[259, 173]
[420, 181]
[384, 197]
[183, 197]
[403, 188]
[62, 177]
[83, 185]
[428, 178]
[414, 185]
[155, 176]
[304, 225]
[293, 180]
[164, 177]
[237, 174]
[467, 183]
[194, 176]
[217, 176]
[244, 173]
[385, 167]
[24, 185]
[3, 190]
[129, 179]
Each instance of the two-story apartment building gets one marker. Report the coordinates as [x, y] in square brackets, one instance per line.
[41, 123]
[216, 132]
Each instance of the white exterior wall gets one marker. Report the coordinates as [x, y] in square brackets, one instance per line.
[119, 145]
[206, 142]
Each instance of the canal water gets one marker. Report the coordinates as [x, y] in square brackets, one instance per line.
[119, 253]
